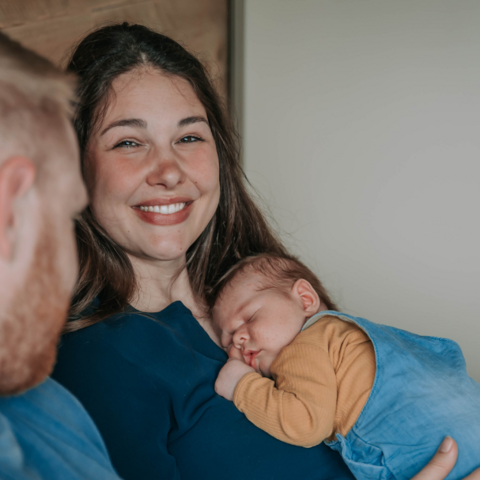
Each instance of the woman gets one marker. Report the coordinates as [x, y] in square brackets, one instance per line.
[168, 215]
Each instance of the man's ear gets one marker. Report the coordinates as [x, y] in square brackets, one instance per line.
[307, 295]
[17, 175]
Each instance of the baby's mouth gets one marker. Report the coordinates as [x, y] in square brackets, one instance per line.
[250, 358]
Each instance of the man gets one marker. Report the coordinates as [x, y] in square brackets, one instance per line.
[44, 431]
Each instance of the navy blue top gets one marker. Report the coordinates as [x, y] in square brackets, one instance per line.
[147, 379]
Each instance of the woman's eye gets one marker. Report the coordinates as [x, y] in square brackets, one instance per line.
[126, 144]
[190, 139]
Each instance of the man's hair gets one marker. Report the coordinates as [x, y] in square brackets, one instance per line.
[35, 97]
[280, 273]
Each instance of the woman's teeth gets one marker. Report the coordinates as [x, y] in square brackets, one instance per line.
[165, 209]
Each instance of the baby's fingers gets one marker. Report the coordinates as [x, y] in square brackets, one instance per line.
[234, 352]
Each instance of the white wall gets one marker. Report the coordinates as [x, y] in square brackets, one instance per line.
[362, 132]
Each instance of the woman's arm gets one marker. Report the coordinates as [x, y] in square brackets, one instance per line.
[442, 462]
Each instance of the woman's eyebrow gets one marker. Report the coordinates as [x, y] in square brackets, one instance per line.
[126, 122]
[189, 120]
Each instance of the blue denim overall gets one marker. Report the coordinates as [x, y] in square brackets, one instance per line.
[420, 394]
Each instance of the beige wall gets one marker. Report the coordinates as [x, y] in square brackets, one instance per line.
[362, 132]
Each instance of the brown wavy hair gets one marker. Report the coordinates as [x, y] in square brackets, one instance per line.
[238, 228]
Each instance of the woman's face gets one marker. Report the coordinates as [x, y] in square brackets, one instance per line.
[152, 166]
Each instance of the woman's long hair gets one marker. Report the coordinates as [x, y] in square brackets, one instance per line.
[238, 228]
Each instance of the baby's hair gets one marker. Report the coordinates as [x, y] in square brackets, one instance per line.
[279, 272]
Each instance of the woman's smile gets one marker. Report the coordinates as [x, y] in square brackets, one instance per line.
[164, 209]
[164, 212]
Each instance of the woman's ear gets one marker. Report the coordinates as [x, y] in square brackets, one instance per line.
[307, 295]
[17, 175]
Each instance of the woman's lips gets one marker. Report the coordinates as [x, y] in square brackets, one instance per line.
[158, 218]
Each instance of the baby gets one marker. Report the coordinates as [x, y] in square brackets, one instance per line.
[305, 373]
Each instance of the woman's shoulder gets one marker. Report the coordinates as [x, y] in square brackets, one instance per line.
[145, 354]
[131, 321]
[143, 338]
[132, 325]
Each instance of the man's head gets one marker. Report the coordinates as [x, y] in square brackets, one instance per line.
[263, 305]
[41, 190]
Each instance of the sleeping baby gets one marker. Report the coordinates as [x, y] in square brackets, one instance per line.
[305, 373]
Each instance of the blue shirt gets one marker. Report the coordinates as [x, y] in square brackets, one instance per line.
[46, 434]
[148, 382]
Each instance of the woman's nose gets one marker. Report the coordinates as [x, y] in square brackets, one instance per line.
[165, 170]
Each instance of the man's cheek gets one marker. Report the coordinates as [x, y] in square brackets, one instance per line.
[67, 265]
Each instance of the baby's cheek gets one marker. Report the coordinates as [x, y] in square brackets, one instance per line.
[276, 339]
[266, 365]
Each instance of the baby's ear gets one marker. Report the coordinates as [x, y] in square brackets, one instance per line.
[307, 295]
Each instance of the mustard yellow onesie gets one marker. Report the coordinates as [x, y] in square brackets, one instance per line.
[321, 382]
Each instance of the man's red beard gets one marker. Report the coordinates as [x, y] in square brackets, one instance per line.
[31, 325]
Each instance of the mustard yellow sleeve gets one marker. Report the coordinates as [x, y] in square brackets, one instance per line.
[299, 406]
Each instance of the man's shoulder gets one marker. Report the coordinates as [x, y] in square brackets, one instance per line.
[49, 407]
[46, 433]
[12, 462]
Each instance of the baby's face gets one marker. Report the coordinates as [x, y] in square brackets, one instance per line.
[257, 322]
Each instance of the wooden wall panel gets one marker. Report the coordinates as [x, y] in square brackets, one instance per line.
[52, 27]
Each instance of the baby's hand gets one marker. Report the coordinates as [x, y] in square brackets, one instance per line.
[231, 373]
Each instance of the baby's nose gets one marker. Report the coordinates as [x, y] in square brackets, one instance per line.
[239, 338]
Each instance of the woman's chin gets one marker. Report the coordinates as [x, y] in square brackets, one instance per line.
[167, 243]
[167, 253]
